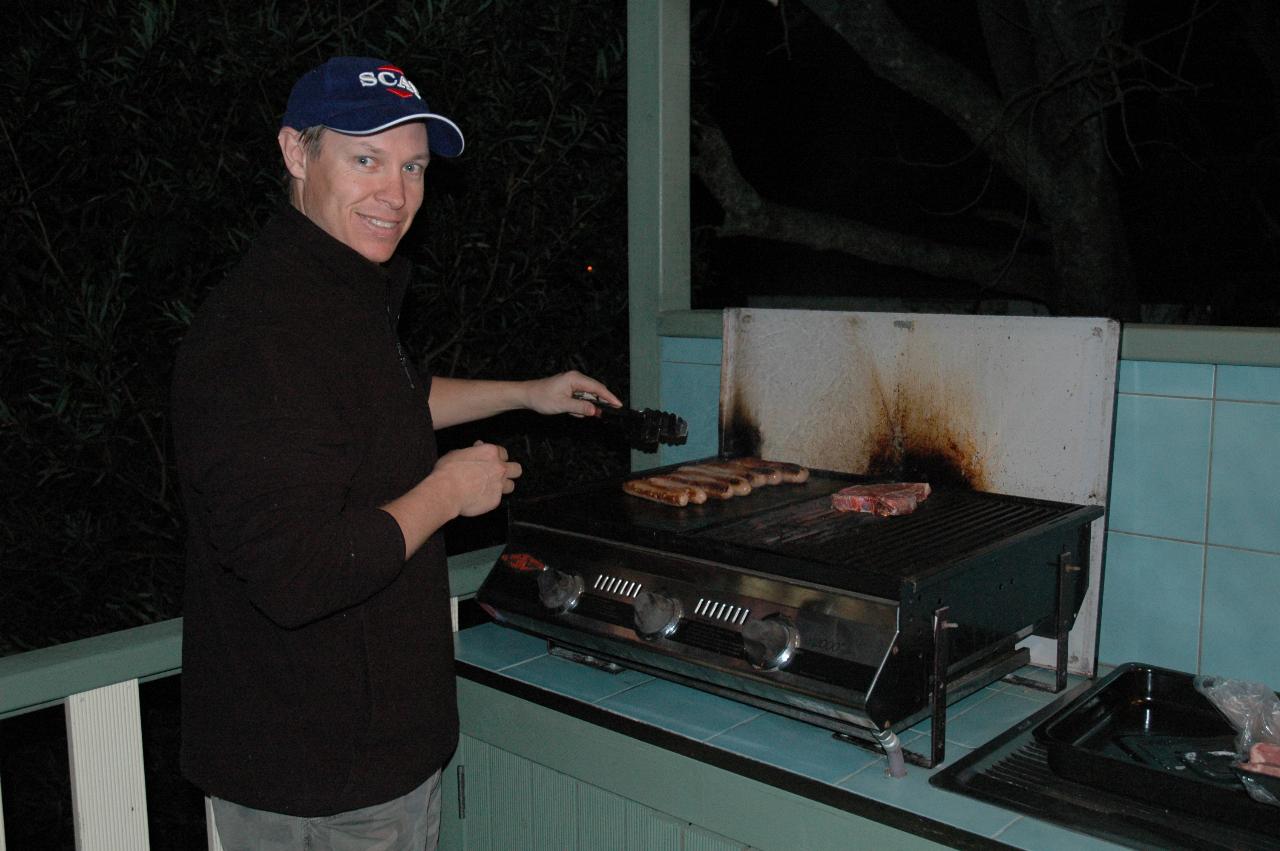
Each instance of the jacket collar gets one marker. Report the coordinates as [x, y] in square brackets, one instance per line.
[329, 259]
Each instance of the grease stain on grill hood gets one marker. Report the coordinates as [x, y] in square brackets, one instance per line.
[838, 396]
[1015, 405]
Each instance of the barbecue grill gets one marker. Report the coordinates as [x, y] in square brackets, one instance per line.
[858, 623]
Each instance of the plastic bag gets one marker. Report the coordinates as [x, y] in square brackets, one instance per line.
[1254, 710]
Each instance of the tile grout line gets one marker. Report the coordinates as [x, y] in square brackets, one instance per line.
[1208, 503]
[733, 727]
[622, 691]
[1005, 829]
[1204, 544]
[1190, 398]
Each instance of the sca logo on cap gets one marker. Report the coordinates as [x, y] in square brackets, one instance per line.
[393, 78]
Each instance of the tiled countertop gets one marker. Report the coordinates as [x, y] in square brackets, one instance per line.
[784, 743]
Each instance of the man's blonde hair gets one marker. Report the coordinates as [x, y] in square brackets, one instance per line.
[311, 139]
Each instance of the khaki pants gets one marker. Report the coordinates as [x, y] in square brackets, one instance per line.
[408, 823]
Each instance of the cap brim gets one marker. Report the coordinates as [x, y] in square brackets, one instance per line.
[443, 136]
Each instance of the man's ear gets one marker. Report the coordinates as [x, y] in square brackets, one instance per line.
[293, 151]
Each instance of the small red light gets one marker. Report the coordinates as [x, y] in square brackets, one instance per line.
[521, 561]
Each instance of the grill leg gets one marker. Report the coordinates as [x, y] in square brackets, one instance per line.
[1062, 629]
[1063, 621]
[938, 687]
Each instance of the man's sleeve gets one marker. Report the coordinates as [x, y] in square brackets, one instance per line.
[271, 459]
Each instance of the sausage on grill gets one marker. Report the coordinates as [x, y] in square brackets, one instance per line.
[657, 493]
[697, 494]
[711, 485]
[740, 485]
[755, 467]
[792, 474]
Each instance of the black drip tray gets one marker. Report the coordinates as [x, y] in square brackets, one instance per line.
[1013, 772]
[1146, 732]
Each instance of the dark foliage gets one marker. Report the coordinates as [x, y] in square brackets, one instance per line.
[137, 157]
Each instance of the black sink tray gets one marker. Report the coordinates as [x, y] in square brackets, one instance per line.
[1145, 732]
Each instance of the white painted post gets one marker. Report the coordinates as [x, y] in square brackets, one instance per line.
[108, 789]
[210, 827]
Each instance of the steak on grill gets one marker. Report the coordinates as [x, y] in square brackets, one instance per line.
[888, 499]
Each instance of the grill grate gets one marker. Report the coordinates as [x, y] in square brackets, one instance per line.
[947, 525]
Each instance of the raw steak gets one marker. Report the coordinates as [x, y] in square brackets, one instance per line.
[1265, 752]
[888, 499]
[1264, 757]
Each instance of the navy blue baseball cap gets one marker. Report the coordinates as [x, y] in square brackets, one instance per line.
[358, 96]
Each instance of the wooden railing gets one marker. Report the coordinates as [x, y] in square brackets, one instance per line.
[96, 680]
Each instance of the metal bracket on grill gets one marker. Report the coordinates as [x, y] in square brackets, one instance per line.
[1062, 629]
[938, 687]
[584, 658]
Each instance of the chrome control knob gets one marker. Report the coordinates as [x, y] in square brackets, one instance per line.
[559, 590]
[656, 615]
[770, 642]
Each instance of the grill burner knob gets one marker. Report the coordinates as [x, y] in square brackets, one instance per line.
[559, 590]
[656, 615]
[770, 642]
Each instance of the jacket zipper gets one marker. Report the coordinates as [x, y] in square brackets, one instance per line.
[404, 361]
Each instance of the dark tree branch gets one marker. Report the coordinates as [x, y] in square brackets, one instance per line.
[897, 55]
[748, 214]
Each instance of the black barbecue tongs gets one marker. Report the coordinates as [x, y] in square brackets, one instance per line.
[645, 427]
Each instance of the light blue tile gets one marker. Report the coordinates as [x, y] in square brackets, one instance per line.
[1151, 602]
[690, 350]
[1041, 836]
[914, 794]
[956, 710]
[1241, 632]
[680, 709]
[495, 647]
[692, 391]
[795, 746]
[1244, 505]
[1000, 711]
[574, 679]
[1248, 383]
[1160, 467]
[1166, 379]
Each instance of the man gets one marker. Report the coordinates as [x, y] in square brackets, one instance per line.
[318, 694]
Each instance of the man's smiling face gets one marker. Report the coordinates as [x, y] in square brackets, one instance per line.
[362, 190]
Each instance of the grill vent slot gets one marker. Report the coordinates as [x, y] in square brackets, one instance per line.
[604, 609]
[616, 585]
[718, 611]
[709, 637]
